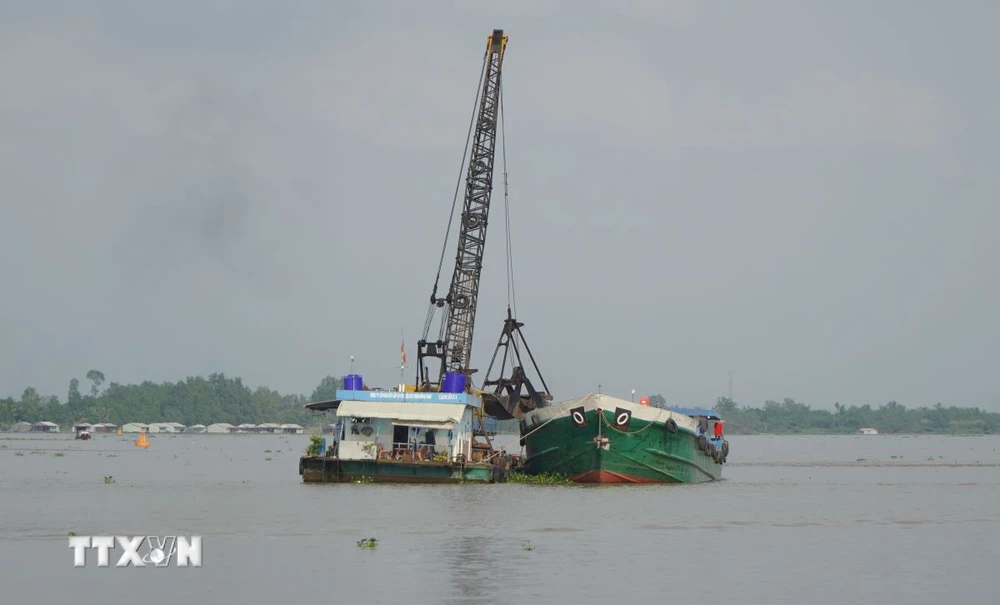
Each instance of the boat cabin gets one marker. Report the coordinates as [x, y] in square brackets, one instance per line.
[409, 432]
[708, 422]
[82, 430]
[402, 426]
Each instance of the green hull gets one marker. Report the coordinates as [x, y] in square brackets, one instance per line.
[318, 469]
[597, 452]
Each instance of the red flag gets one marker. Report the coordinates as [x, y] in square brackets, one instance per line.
[402, 352]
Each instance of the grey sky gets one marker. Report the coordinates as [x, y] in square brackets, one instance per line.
[800, 191]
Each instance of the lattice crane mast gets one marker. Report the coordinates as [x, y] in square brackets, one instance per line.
[453, 347]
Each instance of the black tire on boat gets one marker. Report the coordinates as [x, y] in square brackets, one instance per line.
[702, 443]
[725, 449]
[671, 425]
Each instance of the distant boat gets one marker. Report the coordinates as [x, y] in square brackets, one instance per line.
[867, 431]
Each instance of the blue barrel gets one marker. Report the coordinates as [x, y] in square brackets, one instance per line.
[353, 382]
[453, 383]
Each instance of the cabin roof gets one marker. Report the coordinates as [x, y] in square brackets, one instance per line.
[426, 412]
[321, 406]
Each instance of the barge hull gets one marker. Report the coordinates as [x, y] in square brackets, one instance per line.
[593, 452]
[319, 469]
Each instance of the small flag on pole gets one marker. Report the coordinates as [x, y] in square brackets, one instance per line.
[402, 352]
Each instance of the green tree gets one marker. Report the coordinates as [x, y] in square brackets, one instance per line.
[97, 377]
[327, 389]
[725, 406]
[74, 399]
[31, 405]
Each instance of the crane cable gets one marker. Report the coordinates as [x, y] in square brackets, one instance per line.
[511, 294]
[454, 200]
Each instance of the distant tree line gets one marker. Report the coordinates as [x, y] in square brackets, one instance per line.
[790, 416]
[196, 400]
[219, 398]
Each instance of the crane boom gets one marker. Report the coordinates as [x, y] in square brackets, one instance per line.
[455, 350]
[472, 235]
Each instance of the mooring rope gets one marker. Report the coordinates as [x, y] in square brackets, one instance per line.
[539, 427]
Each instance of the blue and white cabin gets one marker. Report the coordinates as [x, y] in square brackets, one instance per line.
[401, 425]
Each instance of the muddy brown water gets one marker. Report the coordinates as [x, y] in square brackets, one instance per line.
[817, 519]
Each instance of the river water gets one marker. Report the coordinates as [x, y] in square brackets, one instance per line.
[818, 519]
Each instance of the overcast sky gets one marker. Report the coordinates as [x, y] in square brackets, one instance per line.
[802, 192]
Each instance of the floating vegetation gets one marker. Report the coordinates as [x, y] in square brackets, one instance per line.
[526, 545]
[18, 453]
[363, 479]
[58, 454]
[267, 451]
[109, 479]
[71, 534]
[540, 479]
[367, 543]
[268, 458]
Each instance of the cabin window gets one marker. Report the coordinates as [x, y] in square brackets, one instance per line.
[400, 436]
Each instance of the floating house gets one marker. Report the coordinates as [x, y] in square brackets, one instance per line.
[166, 427]
[45, 427]
[20, 427]
[220, 428]
[196, 428]
[291, 429]
[135, 427]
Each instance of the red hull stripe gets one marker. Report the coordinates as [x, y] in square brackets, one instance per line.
[603, 476]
